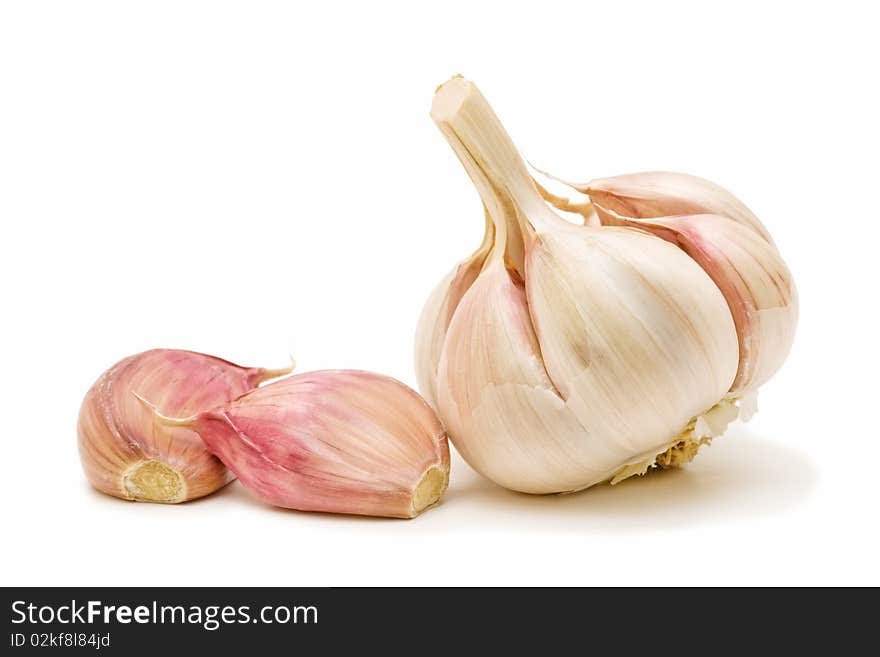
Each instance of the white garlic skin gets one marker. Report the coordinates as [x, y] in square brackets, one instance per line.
[667, 194]
[613, 344]
[731, 245]
[435, 318]
[755, 281]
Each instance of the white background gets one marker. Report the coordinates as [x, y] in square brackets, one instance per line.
[253, 179]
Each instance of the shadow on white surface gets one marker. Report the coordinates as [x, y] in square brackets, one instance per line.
[739, 476]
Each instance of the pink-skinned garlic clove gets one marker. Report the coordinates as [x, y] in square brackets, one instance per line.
[125, 453]
[339, 441]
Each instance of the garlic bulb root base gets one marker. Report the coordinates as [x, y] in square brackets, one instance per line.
[680, 453]
[698, 432]
[153, 481]
[430, 489]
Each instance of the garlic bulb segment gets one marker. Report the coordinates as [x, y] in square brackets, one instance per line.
[495, 397]
[438, 311]
[755, 281]
[636, 337]
[125, 453]
[663, 193]
[580, 353]
[336, 441]
[721, 234]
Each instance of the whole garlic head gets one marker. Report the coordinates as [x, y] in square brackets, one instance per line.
[559, 355]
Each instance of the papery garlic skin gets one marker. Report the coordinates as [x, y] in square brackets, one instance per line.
[665, 194]
[634, 335]
[495, 397]
[338, 441]
[438, 312]
[755, 281]
[732, 246]
[125, 453]
[580, 354]
[555, 386]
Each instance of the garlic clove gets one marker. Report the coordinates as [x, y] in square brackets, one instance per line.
[754, 280]
[336, 441]
[125, 454]
[662, 194]
[635, 336]
[499, 406]
[727, 240]
[437, 313]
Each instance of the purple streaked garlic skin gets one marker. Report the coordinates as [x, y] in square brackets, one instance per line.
[127, 454]
[340, 441]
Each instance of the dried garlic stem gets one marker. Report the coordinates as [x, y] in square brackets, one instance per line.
[492, 163]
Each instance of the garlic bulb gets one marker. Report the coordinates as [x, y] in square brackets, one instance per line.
[559, 355]
[126, 454]
[338, 441]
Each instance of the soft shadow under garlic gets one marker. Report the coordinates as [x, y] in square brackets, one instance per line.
[741, 475]
[240, 496]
